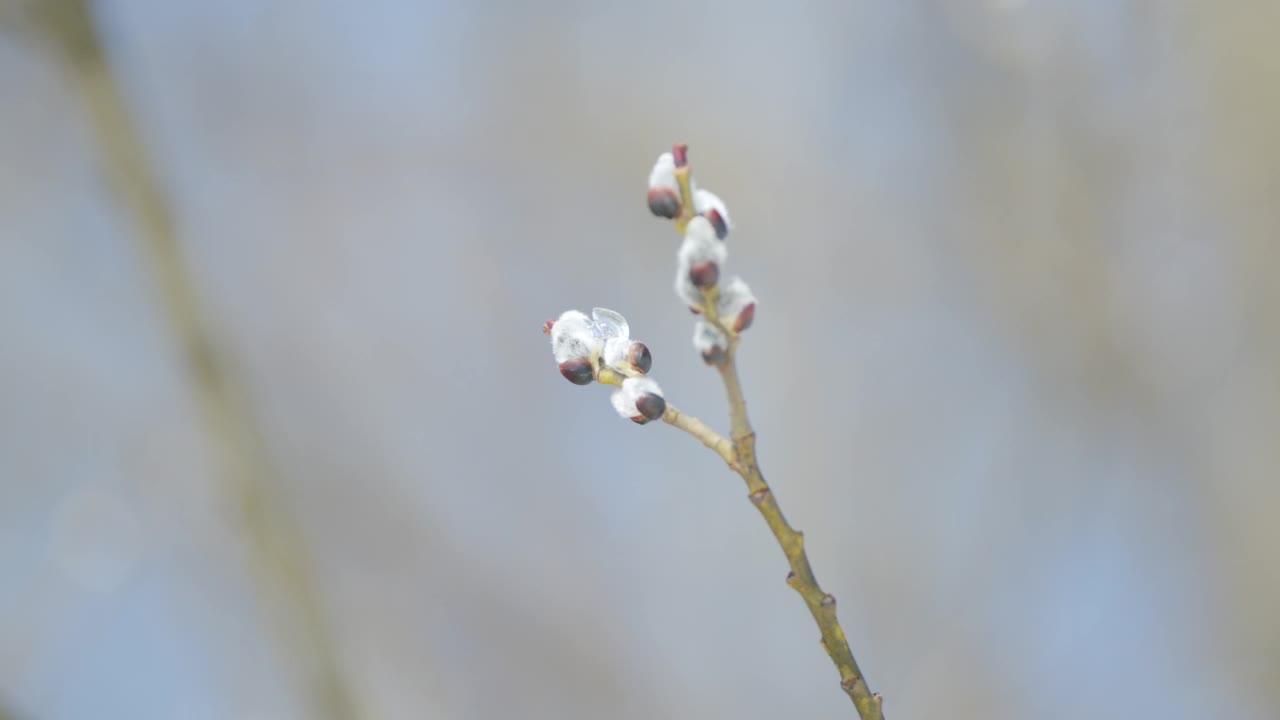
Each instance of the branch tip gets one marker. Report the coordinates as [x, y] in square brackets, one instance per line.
[680, 153]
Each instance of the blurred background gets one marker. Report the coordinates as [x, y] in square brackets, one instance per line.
[280, 438]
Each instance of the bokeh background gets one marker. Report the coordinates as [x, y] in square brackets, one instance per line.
[1014, 369]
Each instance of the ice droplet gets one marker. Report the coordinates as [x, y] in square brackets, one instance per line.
[608, 324]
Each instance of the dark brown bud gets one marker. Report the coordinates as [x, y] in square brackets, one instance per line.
[664, 202]
[717, 222]
[651, 406]
[546, 326]
[639, 357]
[704, 274]
[577, 371]
[745, 317]
[680, 153]
[714, 356]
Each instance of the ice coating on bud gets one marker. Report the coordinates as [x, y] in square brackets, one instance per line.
[700, 246]
[737, 304]
[626, 356]
[663, 173]
[572, 336]
[639, 400]
[710, 343]
[709, 205]
[608, 324]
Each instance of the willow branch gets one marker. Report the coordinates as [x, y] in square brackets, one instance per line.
[695, 427]
[281, 561]
[822, 605]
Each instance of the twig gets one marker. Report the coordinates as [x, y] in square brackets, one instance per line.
[281, 561]
[742, 460]
[712, 439]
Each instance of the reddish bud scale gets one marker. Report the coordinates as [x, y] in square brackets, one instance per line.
[717, 223]
[639, 357]
[664, 202]
[547, 326]
[714, 356]
[680, 153]
[745, 318]
[651, 407]
[704, 274]
[577, 371]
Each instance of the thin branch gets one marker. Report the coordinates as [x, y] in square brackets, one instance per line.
[695, 427]
[822, 605]
[282, 564]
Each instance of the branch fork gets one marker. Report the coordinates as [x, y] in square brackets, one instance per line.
[725, 310]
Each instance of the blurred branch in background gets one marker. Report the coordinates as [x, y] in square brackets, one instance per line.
[282, 564]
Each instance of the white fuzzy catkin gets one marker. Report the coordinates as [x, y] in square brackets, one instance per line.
[663, 173]
[735, 296]
[700, 243]
[616, 355]
[707, 340]
[625, 397]
[704, 200]
[572, 337]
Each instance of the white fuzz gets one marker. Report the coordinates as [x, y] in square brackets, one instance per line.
[663, 173]
[616, 356]
[685, 289]
[704, 200]
[624, 398]
[735, 296]
[707, 340]
[572, 337]
[700, 243]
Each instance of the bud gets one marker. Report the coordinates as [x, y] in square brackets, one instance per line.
[710, 343]
[578, 371]
[680, 155]
[575, 346]
[664, 202]
[639, 400]
[664, 193]
[651, 407]
[546, 326]
[639, 357]
[710, 206]
[700, 246]
[626, 356]
[737, 304]
[704, 274]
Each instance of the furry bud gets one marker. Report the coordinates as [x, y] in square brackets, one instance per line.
[639, 400]
[737, 304]
[709, 205]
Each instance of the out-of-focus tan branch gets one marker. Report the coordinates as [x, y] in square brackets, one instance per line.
[282, 564]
